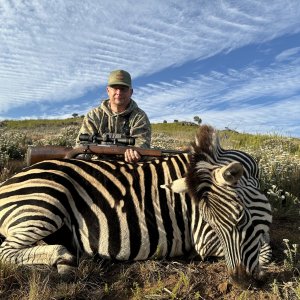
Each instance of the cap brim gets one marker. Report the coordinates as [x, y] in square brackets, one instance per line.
[119, 83]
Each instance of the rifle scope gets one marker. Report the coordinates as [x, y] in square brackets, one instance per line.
[107, 139]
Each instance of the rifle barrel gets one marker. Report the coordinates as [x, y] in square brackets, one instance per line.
[174, 151]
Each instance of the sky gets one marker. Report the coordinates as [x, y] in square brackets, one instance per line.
[234, 64]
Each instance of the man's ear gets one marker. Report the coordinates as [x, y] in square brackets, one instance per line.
[131, 92]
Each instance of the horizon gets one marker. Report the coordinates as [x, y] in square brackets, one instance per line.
[233, 64]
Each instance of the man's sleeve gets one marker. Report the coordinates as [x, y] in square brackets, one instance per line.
[89, 125]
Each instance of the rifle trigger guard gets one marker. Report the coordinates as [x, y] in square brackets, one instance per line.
[76, 151]
[87, 149]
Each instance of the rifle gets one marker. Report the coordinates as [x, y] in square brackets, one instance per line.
[110, 144]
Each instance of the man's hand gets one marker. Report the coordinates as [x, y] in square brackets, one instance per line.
[131, 156]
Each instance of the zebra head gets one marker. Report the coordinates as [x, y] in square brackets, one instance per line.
[227, 202]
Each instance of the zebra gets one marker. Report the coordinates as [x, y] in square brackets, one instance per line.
[207, 200]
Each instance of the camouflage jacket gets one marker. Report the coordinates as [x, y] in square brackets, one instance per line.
[131, 122]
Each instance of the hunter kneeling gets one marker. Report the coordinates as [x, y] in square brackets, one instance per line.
[119, 115]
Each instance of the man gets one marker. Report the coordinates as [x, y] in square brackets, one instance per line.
[119, 114]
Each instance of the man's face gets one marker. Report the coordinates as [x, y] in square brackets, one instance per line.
[119, 95]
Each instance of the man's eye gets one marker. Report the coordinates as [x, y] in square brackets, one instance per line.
[122, 89]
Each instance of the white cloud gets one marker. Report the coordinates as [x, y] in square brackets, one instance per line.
[250, 100]
[288, 54]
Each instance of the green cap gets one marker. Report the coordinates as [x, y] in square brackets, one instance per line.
[120, 77]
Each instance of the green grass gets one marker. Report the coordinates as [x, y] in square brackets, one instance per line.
[40, 123]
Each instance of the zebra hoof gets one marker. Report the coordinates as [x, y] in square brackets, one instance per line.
[67, 272]
[67, 267]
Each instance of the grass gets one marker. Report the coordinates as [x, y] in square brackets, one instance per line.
[279, 161]
[39, 123]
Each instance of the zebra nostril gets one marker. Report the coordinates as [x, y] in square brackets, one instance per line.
[241, 278]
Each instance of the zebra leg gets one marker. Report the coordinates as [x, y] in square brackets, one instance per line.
[20, 245]
[19, 251]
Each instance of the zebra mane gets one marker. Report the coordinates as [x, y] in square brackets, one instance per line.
[206, 143]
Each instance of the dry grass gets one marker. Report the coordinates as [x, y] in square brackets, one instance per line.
[176, 279]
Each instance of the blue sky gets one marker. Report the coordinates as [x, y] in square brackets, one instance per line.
[234, 64]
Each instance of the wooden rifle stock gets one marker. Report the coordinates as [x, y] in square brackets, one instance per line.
[37, 154]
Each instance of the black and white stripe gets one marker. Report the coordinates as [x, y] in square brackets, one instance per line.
[120, 211]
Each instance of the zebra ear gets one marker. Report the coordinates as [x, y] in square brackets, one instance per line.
[176, 186]
[231, 173]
